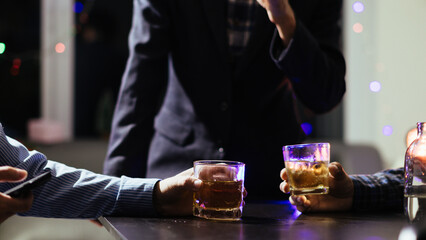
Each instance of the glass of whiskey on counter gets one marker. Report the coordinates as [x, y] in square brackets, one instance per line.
[221, 194]
[307, 168]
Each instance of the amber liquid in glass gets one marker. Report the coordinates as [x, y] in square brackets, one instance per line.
[220, 200]
[307, 177]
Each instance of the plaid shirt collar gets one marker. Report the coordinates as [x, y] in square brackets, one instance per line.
[240, 23]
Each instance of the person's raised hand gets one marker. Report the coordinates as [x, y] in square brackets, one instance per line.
[339, 198]
[8, 205]
[281, 14]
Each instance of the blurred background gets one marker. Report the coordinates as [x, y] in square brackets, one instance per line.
[61, 63]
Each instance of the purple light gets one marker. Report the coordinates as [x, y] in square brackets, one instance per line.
[78, 7]
[387, 130]
[307, 128]
[308, 234]
[375, 86]
[358, 7]
[373, 238]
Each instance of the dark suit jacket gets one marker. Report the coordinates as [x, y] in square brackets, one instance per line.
[184, 97]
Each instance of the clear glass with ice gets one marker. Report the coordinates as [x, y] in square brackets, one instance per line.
[221, 194]
[307, 168]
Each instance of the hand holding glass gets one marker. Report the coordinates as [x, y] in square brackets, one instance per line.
[307, 168]
[221, 194]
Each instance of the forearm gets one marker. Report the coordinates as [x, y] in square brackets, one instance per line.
[380, 191]
[313, 61]
[282, 15]
[76, 193]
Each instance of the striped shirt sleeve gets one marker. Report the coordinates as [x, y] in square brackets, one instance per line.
[76, 193]
[380, 191]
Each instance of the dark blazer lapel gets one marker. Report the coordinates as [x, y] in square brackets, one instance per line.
[215, 11]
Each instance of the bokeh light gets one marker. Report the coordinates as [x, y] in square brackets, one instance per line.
[375, 86]
[14, 71]
[358, 7]
[78, 7]
[16, 65]
[17, 62]
[408, 233]
[387, 130]
[2, 47]
[357, 27]
[307, 128]
[60, 48]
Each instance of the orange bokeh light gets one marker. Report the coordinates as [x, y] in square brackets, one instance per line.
[357, 27]
[60, 48]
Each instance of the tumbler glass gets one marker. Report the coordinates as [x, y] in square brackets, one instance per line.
[221, 194]
[307, 168]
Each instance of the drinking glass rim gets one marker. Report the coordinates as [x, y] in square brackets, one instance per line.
[306, 144]
[227, 162]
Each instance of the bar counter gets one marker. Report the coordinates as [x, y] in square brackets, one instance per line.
[266, 220]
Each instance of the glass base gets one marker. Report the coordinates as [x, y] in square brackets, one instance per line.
[309, 191]
[233, 214]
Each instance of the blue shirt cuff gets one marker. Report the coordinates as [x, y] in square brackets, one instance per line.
[135, 197]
